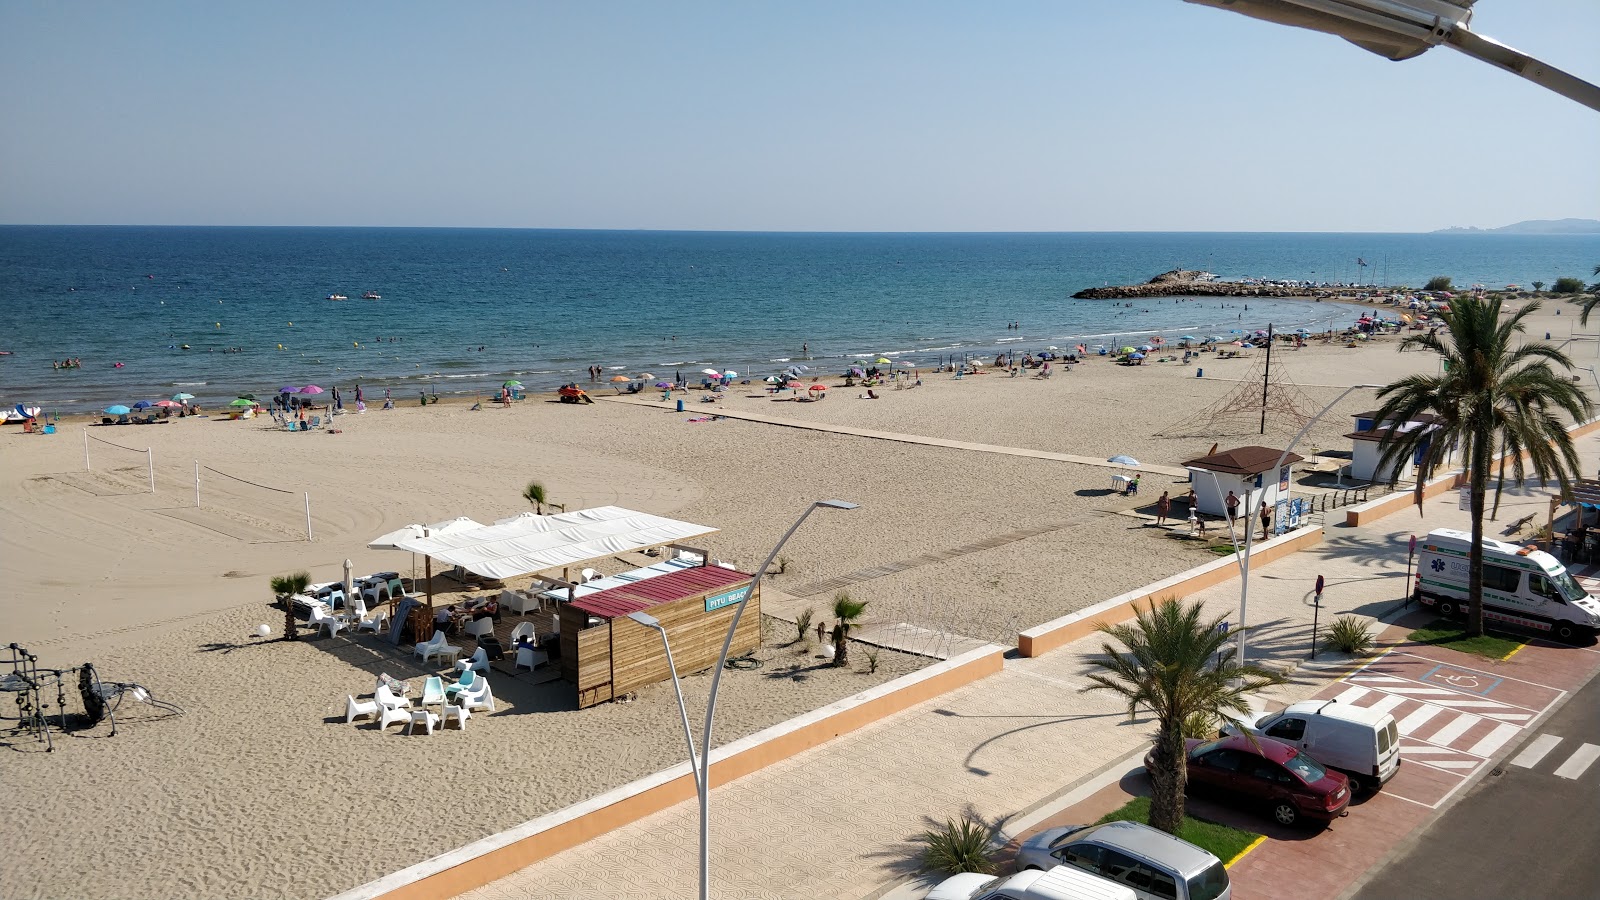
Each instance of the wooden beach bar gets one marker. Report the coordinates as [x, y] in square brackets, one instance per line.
[607, 655]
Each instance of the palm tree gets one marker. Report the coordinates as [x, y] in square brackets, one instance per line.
[534, 493]
[1589, 303]
[1177, 666]
[848, 613]
[284, 587]
[1492, 391]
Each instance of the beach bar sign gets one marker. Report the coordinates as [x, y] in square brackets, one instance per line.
[726, 598]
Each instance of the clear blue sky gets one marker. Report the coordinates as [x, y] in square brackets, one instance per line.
[1057, 115]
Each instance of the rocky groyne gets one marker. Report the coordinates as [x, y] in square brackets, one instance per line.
[1184, 283]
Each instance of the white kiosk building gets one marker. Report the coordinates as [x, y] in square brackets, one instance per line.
[1371, 438]
[1246, 471]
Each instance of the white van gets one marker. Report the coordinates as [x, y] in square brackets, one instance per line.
[1360, 742]
[1522, 586]
[1059, 883]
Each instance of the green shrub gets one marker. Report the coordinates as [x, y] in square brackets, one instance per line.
[1439, 283]
[1348, 634]
[1567, 285]
[872, 661]
[802, 624]
[958, 847]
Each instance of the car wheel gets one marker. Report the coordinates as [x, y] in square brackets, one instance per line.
[1566, 632]
[1447, 609]
[1284, 813]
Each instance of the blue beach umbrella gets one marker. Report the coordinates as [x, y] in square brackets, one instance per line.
[118, 410]
[1188, 337]
[143, 404]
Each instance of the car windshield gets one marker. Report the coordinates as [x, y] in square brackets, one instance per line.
[1308, 769]
[1569, 586]
[1201, 749]
[1210, 884]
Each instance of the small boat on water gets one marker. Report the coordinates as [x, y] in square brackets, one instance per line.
[372, 295]
[337, 297]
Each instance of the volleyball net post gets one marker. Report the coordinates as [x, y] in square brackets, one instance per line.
[306, 495]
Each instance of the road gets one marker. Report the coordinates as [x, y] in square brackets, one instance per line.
[1528, 829]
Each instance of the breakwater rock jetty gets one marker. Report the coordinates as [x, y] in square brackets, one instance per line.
[1185, 283]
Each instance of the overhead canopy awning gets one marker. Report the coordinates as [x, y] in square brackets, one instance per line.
[391, 541]
[530, 543]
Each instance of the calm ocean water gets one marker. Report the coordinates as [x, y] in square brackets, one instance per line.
[544, 305]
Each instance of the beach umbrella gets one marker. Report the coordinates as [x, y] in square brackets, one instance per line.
[118, 410]
[1145, 348]
[618, 379]
[663, 384]
[1052, 348]
[1247, 345]
[1136, 356]
[882, 361]
[1185, 337]
[512, 383]
[1126, 350]
[1235, 344]
[976, 363]
[310, 389]
[288, 389]
[730, 374]
[1124, 460]
[143, 404]
[247, 396]
[772, 379]
[182, 396]
[242, 402]
[816, 388]
[167, 403]
[643, 376]
[709, 372]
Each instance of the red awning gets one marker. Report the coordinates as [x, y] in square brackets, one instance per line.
[614, 603]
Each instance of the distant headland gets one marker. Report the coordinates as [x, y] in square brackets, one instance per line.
[1532, 226]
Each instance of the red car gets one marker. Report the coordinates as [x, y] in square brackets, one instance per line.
[1274, 774]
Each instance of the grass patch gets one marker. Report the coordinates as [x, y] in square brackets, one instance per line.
[1223, 842]
[1444, 633]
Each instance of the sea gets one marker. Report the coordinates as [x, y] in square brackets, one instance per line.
[219, 311]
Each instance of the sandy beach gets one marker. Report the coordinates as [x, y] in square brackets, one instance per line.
[253, 791]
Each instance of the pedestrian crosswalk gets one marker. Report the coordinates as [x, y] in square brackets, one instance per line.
[1474, 727]
[1577, 763]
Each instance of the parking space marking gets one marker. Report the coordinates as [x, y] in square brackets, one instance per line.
[1494, 740]
[1414, 721]
[1388, 703]
[1536, 750]
[1438, 757]
[1579, 761]
[1461, 679]
[1481, 672]
[1455, 729]
[1351, 695]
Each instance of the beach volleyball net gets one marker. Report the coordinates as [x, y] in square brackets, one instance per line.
[260, 505]
[122, 465]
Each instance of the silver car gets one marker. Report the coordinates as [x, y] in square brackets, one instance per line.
[1156, 865]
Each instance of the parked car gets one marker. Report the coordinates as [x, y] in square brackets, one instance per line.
[1155, 864]
[1361, 742]
[1259, 770]
[1060, 883]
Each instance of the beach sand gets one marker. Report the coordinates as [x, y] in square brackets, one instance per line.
[260, 789]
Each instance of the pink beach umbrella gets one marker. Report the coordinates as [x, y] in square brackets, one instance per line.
[310, 389]
[167, 403]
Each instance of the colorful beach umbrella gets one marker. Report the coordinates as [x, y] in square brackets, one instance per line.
[288, 389]
[730, 374]
[709, 372]
[512, 383]
[618, 379]
[242, 402]
[663, 384]
[167, 403]
[182, 396]
[117, 410]
[143, 404]
[883, 361]
[310, 389]
[815, 388]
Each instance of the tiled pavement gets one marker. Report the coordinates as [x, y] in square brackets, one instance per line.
[841, 820]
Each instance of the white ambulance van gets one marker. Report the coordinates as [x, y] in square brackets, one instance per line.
[1522, 586]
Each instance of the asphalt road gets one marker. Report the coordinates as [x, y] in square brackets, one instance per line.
[1522, 831]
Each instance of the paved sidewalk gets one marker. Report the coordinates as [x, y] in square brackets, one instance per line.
[727, 412]
[842, 820]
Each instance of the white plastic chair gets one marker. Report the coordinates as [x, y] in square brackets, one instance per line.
[387, 716]
[478, 628]
[479, 696]
[460, 713]
[587, 575]
[388, 699]
[523, 629]
[530, 659]
[429, 720]
[436, 646]
[324, 622]
[374, 621]
[479, 662]
[396, 589]
[370, 593]
[356, 707]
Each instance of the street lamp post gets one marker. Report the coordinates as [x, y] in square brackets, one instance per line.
[703, 763]
[652, 622]
[1253, 506]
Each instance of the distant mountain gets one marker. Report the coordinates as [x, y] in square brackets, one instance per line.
[1532, 226]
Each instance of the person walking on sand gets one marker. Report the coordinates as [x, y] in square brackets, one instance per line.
[1163, 508]
[1232, 502]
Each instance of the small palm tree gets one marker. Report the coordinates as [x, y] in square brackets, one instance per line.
[1178, 667]
[1493, 391]
[534, 493]
[848, 613]
[1538, 286]
[284, 587]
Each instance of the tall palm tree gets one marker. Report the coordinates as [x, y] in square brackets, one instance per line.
[847, 611]
[1177, 666]
[1492, 391]
[284, 587]
[1590, 302]
[534, 493]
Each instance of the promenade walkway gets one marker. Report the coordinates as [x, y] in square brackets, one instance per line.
[729, 413]
[842, 820]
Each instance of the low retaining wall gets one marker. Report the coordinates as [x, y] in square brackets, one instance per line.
[1052, 635]
[498, 855]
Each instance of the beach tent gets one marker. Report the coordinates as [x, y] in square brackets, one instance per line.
[391, 541]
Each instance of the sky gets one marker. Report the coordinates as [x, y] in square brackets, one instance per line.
[1071, 115]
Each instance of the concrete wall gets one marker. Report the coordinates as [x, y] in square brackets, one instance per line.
[1052, 635]
[499, 855]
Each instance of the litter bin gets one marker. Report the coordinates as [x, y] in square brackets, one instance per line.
[680, 406]
[1199, 373]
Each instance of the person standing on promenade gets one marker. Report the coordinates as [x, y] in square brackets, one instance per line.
[1266, 521]
[1233, 506]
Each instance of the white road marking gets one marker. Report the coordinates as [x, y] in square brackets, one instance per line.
[1388, 703]
[1415, 720]
[1351, 695]
[1579, 762]
[1460, 726]
[1495, 740]
[1536, 750]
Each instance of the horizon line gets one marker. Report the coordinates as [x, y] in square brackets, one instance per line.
[1455, 229]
